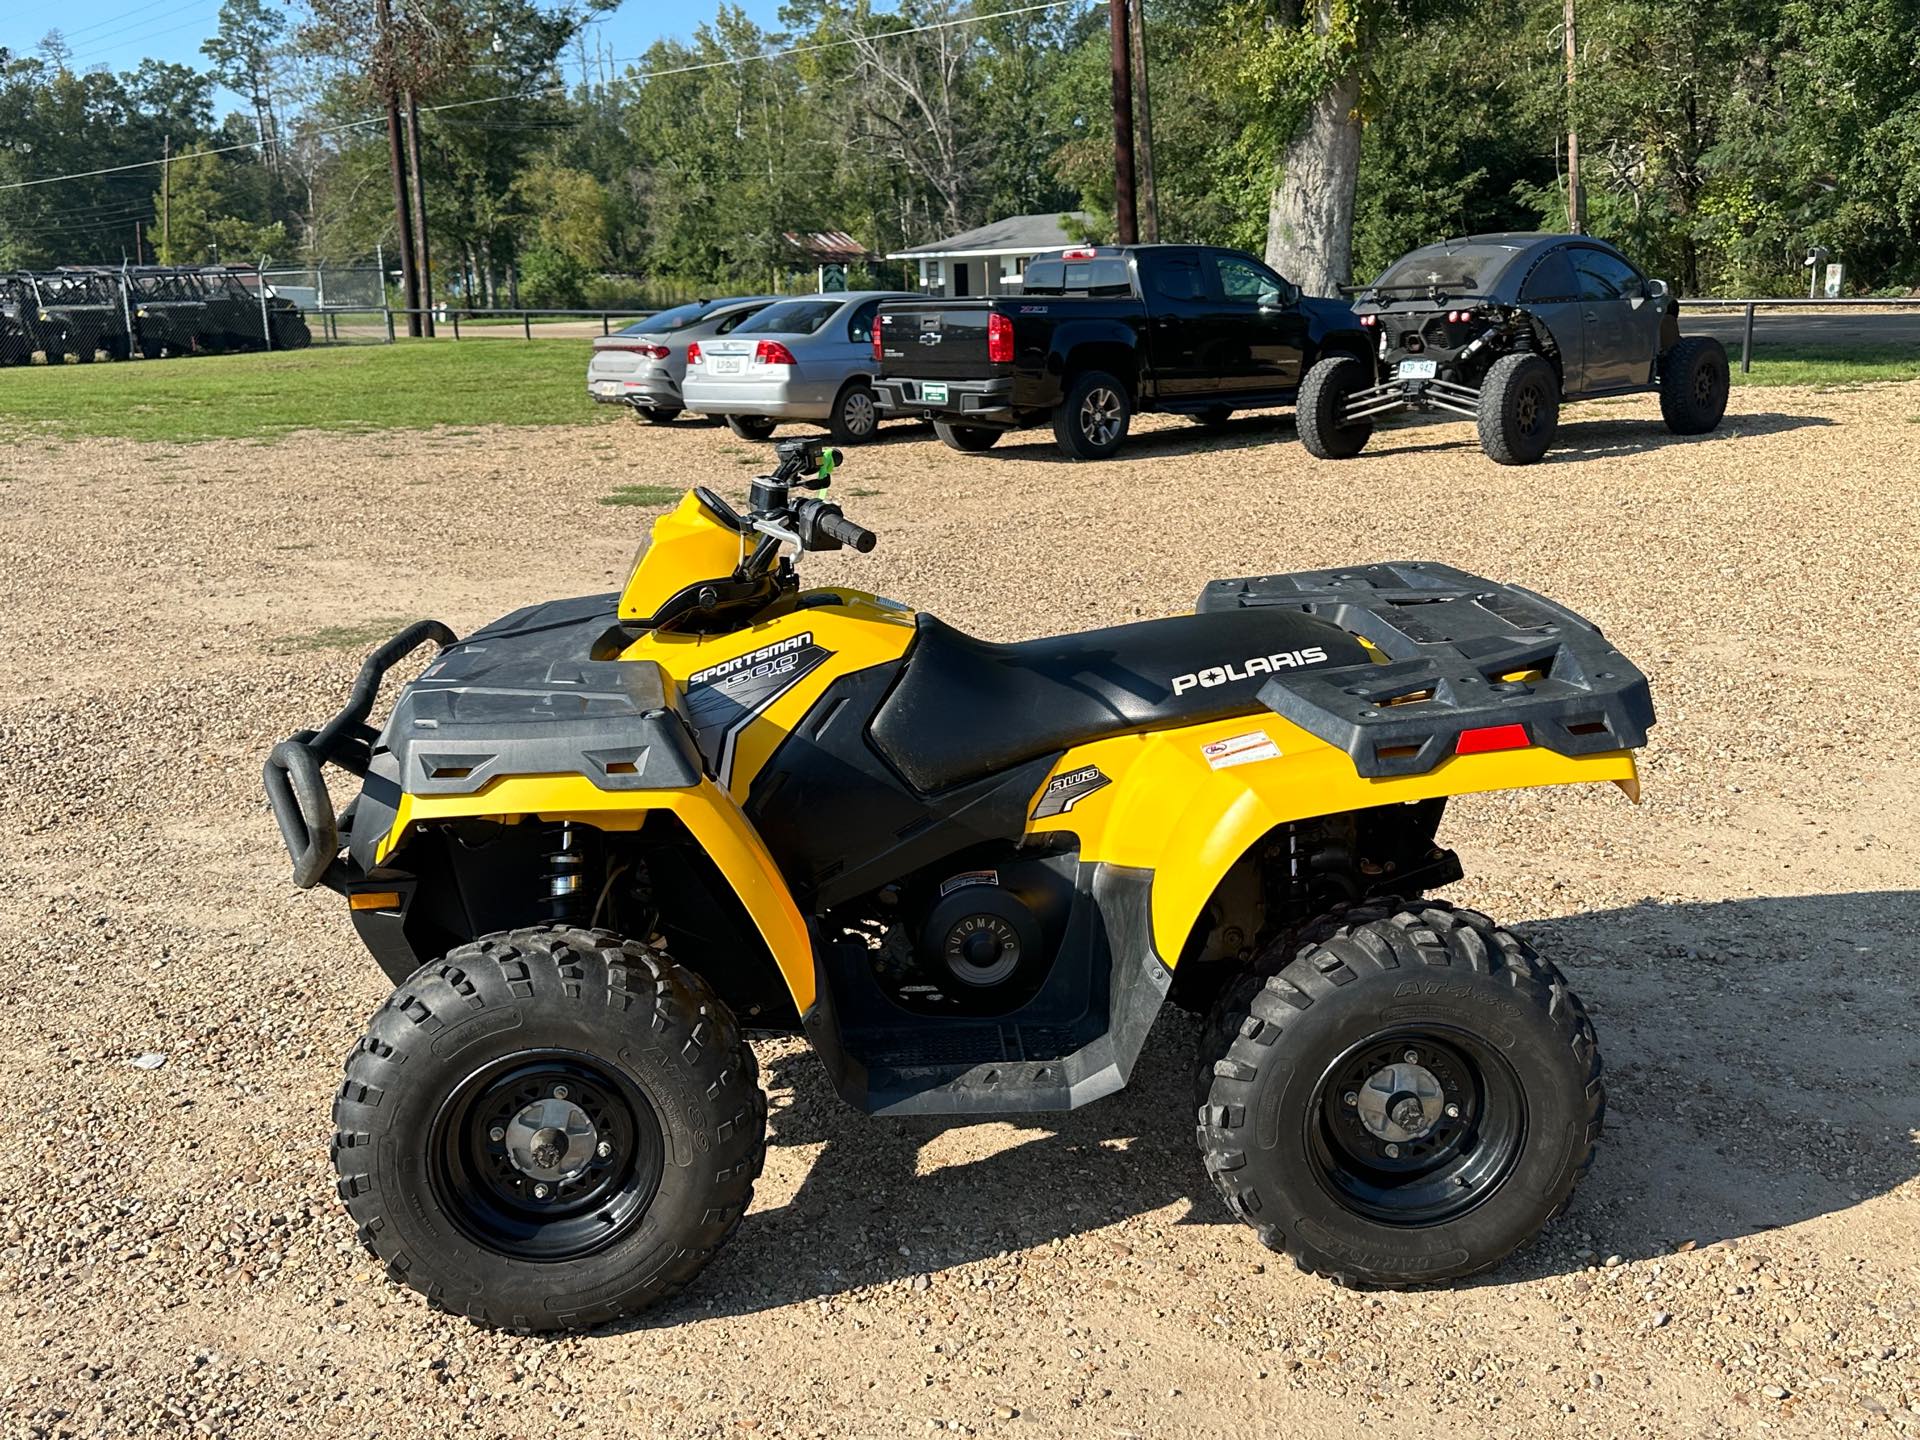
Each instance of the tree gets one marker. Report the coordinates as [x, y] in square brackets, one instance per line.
[244, 52]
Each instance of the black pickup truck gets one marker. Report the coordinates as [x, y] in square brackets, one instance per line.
[1099, 333]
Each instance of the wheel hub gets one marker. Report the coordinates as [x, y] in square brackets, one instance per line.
[1401, 1102]
[551, 1140]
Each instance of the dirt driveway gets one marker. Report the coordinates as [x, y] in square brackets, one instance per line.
[1744, 1259]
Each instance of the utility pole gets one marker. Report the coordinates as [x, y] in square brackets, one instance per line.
[1576, 195]
[397, 165]
[166, 199]
[423, 256]
[1149, 196]
[1123, 212]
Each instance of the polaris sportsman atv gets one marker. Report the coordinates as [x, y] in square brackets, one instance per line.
[598, 840]
[1504, 329]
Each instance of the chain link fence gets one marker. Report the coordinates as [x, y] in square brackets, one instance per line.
[81, 314]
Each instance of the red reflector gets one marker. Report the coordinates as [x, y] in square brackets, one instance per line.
[1492, 737]
[772, 352]
[1368, 320]
[999, 339]
[693, 353]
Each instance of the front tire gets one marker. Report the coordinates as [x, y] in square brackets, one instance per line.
[1694, 383]
[1519, 409]
[1407, 1098]
[1320, 411]
[549, 1129]
[752, 427]
[970, 438]
[1092, 421]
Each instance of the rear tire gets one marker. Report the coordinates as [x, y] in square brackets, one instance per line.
[1091, 422]
[752, 427]
[971, 438]
[657, 417]
[856, 418]
[1503, 1092]
[1519, 409]
[1320, 411]
[1694, 382]
[561, 1042]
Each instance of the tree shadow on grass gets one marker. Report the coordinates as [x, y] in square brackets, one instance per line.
[1763, 1063]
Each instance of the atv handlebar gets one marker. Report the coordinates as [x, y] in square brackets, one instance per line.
[296, 788]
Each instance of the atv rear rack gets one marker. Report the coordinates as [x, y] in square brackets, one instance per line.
[1461, 654]
[296, 787]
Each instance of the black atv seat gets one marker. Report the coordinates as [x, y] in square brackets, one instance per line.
[964, 708]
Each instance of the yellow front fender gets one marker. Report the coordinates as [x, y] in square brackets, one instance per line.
[1188, 818]
[709, 813]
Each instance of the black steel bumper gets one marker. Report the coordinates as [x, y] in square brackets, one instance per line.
[296, 787]
[1462, 653]
[968, 402]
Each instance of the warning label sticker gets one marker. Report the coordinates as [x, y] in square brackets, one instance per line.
[1240, 750]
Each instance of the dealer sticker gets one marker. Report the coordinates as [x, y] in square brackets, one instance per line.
[1240, 750]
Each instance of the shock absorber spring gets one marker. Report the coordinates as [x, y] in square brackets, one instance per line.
[563, 882]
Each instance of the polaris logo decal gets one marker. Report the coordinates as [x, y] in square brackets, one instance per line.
[1065, 791]
[1246, 669]
[723, 699]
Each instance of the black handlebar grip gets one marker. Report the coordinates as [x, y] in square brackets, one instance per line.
[848, 533]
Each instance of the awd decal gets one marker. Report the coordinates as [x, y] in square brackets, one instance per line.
[1063, 792]
[724, 699]
[1246, 669]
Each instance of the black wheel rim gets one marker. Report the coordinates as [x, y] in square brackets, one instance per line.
[1703, 386]
[515, 1171]
[1469, 1136]
[1527, 409]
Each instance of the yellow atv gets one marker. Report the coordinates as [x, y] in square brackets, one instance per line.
[600, 839]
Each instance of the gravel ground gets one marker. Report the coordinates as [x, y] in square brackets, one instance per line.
[1744, 1259]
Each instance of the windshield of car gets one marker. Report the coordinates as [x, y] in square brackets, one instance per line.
[668, 321]
[1469, 268]
[792, 317]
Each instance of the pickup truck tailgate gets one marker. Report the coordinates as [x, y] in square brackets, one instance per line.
[934, 339]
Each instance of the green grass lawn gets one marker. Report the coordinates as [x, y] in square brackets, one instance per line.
[414, 385]
[411, 385]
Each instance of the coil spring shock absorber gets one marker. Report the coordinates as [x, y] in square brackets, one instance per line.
[564, 878]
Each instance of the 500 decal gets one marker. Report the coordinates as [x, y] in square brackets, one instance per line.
[1248, 668]
[725, 698]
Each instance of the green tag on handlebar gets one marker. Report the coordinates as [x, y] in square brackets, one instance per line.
[826, 466]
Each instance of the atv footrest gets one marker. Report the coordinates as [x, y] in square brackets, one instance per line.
[1458, 653]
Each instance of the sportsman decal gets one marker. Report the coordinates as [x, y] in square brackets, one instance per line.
[723, 699]
[1063, 792]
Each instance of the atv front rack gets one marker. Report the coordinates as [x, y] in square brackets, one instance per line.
[296, 787]
[1463, 656]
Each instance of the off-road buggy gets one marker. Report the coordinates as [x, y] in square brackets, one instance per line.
[599, 839]
[1503, 329]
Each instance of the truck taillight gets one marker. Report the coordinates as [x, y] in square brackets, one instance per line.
[999, 338]
[693, 353]
[878, 353]
[772, 352]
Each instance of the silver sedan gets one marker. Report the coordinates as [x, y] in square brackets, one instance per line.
[643, 365]
[809, 358]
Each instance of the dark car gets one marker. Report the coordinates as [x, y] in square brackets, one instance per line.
[1503, 329]
[1099, 333]
[169, 310]
[80, 313]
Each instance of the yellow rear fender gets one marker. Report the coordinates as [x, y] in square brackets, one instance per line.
[708, 813]
[1187, 804]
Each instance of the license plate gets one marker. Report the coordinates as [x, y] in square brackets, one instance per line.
[934, 394]
[729, 364]
[1417, 370]
[606, 387]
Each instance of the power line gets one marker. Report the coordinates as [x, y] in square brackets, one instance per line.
[107, 48]
[561, 87]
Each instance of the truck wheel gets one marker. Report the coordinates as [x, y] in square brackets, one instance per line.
[1519, 409]
[549, 1129]
[1320, 411]
[751, 427]
[966, 437]
[1092, 420]
[657, 417]
[855, 416]
[1694, 380]
[1408, 1096]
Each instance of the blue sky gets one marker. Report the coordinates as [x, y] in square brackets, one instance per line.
[120, 33]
